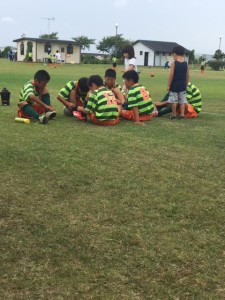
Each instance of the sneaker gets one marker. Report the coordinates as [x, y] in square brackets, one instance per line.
[173, 117]
[78, 115]
[43, 119]
[50, 115]
[181, 117]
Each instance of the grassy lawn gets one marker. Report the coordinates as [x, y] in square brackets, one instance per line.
[121, 212]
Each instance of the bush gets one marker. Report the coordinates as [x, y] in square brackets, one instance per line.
[216, 64]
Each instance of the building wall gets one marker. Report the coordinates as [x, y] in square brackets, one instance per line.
[39, 53]
[138, 48]
[155, 59]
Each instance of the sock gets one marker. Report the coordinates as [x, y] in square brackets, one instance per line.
[46, 98]
[28, 110]
[164, 110]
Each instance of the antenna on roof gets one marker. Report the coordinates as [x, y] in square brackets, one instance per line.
[49, 20]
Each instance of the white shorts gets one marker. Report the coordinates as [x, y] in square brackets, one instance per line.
[177, 97]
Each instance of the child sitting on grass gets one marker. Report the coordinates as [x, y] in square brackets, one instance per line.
[73, 94]
[140, 106]
[34, 99]
[111, 84]
[102, 106]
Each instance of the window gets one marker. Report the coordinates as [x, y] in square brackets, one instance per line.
[69, 49]
[48, 48]
[22, 48]
[141, 52]
[62, 49]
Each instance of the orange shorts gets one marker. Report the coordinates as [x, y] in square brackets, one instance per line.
[103, 123]
[129, 115]
[39, 109]
[189, 112]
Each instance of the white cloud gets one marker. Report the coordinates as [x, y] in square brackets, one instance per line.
[7, 20]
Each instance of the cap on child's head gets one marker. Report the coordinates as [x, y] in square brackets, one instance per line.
[178, 50]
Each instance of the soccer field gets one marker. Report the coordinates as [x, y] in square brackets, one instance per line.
[118, 212]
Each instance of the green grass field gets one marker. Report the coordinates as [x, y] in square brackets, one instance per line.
[121, 212]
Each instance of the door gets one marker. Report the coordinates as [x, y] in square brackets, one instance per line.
[146, 59]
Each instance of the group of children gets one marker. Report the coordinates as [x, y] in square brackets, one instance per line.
[104, 102]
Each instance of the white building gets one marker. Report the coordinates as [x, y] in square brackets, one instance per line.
[154, 53]
[70, 50]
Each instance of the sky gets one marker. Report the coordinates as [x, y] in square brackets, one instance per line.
[194, 24]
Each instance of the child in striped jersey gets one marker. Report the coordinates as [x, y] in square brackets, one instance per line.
[140, 106]
[34, 102]
[102, 106]
[74, 93]
[112, 85]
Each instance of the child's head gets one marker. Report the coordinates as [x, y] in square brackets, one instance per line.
[178, 50]
[130, 78]
[128, 51]
[110, 78]
[82, 85]
[41, 78]
[94, 82]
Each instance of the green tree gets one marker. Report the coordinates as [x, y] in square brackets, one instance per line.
[4, 53]
[113, 45]
[192, 57]
[84, 41]
[51, 36]
[219, 55]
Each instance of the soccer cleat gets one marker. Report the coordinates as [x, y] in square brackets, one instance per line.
[78, 115]
[43, 119]
[50, 115]
[181, 117]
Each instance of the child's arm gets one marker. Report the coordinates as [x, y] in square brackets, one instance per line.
[66, 103]
[136, 116]
[83, 110]
[172, 66]
[187, 76]
[119, 96]
[38, 101]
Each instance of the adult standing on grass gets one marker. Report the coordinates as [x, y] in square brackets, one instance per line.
[114, 60]
[202, 67]
[30, 56]
[34, 99]
[177, 82]
[58, 58]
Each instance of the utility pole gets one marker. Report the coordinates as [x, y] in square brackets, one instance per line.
[49, 20]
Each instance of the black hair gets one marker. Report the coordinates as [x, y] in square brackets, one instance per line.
[82, 84]
[178, 50]
[110, 73]
[42, 75]
[96, 79]
[131, 75]
[130, 50]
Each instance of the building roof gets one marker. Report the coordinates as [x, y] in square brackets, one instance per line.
[45, 40]
[158, 46]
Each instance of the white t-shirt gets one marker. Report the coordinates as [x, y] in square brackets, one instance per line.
[128, 62]
[58, 56]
